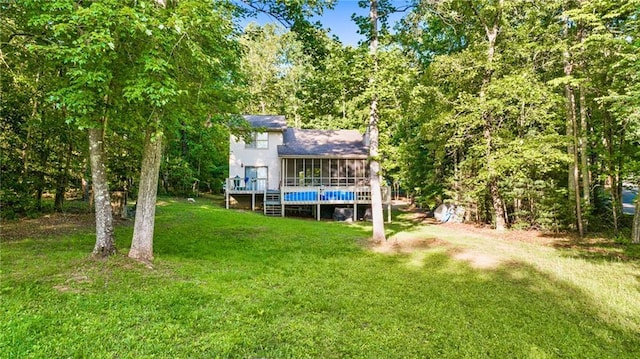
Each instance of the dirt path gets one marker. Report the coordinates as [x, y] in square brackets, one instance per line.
[416, 240]
[50, 225]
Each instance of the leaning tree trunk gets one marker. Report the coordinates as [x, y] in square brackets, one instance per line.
[105, 242]
[374, 166]
[142, 243]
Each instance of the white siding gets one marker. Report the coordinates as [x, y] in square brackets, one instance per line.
[239, 157]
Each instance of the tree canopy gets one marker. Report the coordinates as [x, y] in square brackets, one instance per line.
[526, 114]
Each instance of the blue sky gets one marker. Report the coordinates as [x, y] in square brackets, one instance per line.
[340, 23]
[339, 20]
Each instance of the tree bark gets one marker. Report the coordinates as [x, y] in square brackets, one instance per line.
[572, 147]
[635, 234]
[63, 178]
[494, 190]
[491, 31]
[40, 176]
[584, 159]
[575, 175]
[142, 243]
[105, 242]
[374, 166]
[612, 171]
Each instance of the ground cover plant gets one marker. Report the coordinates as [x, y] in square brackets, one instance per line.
[237, 284]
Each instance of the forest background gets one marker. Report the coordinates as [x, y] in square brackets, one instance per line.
[526, 113]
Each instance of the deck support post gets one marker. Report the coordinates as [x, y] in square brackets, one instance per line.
[253, 201]
[318, 211]
[355, 211]
[226, 193]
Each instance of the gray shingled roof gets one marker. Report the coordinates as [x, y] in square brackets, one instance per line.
[269, 122]
[331, 143]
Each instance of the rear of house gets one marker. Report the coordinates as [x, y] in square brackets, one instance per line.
[287, 170]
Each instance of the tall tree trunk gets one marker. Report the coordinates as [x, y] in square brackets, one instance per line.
[620, 164]
[494, 191]
[575, 176]
[142, 243]
[63, 178]
[40, 176]
[635, 235]
[27, 142]
[584, 158]
[105, 242]
[491, 31]
[374, 165]
[612, 172]
[572, 147]
[184, 145]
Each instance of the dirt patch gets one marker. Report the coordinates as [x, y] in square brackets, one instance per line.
[529, 236]
[477, 260]
[51, 225]
[408, 245]
[593, 247]
[71, 283]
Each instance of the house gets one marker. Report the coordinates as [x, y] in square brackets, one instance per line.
[286, 169]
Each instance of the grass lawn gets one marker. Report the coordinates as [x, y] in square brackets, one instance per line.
[230, 283]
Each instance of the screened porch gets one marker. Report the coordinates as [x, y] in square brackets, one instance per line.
[327, 172]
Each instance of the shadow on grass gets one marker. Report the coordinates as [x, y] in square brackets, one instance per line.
[235, 284]
[405, 220]
[210, 232]
[599, 250]
[320, 293]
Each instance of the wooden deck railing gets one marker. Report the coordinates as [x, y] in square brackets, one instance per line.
[330, 195]
[240, 185]
[308, 194]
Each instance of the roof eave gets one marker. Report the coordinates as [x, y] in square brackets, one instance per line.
[349, 156]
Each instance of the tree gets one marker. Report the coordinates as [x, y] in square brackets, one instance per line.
[192, 54]
[604, 53]
[78, 39]
[139, 67]
[374, 135]
[276, 68]
[484, 134]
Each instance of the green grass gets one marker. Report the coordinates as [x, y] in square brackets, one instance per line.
[237, 284]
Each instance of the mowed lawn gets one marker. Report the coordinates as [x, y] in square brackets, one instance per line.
[234, 284]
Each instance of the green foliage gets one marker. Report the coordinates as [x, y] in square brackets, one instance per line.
[125, 66]
[479, 118]
[295, 16]
[177, 176]
[179, 70]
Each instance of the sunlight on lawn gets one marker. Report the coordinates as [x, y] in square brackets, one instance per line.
[612, 287]
[235, 284]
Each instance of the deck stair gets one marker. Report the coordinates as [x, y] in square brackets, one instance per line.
[272, 203]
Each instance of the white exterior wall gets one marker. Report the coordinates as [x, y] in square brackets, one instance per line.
[239, 157]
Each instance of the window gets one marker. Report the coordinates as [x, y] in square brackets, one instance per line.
[258, 140]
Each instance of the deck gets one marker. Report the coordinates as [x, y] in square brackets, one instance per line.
[275, 200]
